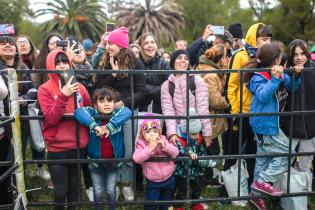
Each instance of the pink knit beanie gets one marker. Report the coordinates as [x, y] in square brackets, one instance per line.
[119, 37]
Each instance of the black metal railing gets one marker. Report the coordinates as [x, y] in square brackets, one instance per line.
[239, 156]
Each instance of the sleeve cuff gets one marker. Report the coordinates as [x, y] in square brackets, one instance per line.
[110, 127]
[92, 125]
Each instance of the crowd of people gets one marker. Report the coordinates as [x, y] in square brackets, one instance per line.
[120, 95]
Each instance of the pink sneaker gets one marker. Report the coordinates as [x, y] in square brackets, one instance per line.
[266, 188]
[258, 203]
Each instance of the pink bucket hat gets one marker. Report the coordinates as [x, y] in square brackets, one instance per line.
[119, 37]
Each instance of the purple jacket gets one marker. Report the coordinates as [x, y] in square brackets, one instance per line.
[177, 105]
[155, 171]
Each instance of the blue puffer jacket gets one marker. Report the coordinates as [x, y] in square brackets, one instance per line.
[264, 88]
[120, 115]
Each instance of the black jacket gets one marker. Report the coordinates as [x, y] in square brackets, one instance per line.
[303, 125]
[154, 82]
[196, 49]
[86, 79]
[123, 86]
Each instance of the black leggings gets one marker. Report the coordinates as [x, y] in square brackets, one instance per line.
[5, 195]
[65, 178]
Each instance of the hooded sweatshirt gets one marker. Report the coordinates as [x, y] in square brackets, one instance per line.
[60, 135]
[238, 61]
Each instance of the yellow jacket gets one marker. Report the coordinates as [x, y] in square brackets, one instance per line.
[238, 61]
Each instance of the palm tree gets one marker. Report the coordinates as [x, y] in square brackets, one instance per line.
[163, 18]
[74, 18]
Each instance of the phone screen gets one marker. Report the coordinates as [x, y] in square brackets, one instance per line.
[218, 30]
[7, 29]
[66, 75]
[110, 27]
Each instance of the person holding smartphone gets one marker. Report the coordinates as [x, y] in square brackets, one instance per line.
[57, 98]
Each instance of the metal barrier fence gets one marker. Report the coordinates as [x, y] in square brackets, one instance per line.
[19, 167]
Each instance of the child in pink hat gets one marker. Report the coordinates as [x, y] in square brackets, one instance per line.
[159, 175]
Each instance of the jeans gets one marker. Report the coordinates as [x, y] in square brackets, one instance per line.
[162, 191]
[126, 170]
[268, 168]
[104, 179]
[305, 162]
[65, 178]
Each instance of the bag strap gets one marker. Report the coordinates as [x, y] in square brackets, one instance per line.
[191, 86]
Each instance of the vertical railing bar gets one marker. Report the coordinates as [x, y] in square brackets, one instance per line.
[132, 129]
[291, 132]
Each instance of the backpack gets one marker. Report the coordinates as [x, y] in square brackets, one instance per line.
[191, 86]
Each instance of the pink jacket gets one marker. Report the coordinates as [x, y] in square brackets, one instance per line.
[177, 104]
[155, 171]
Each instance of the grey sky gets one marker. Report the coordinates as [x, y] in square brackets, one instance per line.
[44, 18]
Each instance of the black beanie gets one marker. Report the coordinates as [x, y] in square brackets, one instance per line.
[174, 56]
[236, 30]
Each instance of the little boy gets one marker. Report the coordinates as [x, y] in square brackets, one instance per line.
[106, 141]
[194, 147]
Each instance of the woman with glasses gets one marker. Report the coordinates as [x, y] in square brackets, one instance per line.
[27, 50]
[49, 44]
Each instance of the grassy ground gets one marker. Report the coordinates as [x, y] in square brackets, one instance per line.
[46, 195]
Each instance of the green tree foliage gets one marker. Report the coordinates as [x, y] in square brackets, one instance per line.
[291, 19]
[31, 29]
[74, 17]
[12, 11]
[198, 14]
[163, 18]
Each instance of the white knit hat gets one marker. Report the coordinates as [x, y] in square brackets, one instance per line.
[195, 125]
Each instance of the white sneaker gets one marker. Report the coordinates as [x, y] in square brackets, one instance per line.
[43, 173]
[117, 193]
[128, 193]
[89, 193]
[205, 205]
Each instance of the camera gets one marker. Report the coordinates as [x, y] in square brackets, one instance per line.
[64, 43]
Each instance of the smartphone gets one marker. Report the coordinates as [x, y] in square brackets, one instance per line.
[218, 30]
[65, 77]
[110, 27]
[7, 29]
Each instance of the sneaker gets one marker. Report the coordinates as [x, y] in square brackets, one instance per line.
[50, 184]
[258, 203]
[128, 193]
[117, 193]
[205, 205]
[43, 173]
[266, 188]
[198, 206]
[89, 194]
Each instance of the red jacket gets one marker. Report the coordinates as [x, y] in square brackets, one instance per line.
[60, 135]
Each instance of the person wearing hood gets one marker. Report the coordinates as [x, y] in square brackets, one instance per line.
[257, 35]
[56, 98]
[152, 61]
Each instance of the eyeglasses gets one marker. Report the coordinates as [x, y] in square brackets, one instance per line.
[4, 43]
[52, 43]
[25, 42]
